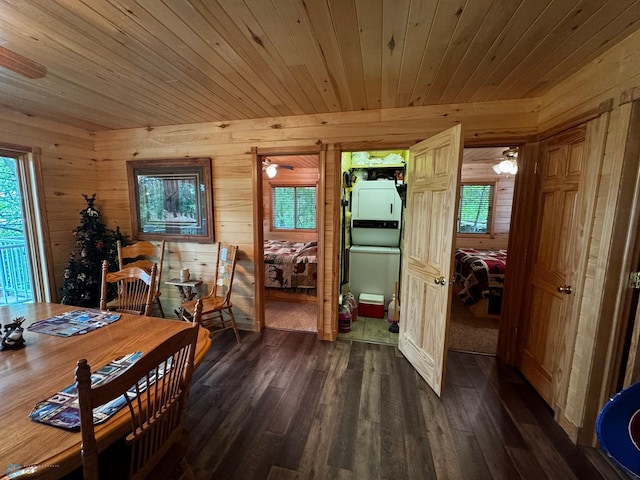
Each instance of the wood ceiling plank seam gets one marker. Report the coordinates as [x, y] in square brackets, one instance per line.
[271, 69]
[580, 13]
[196, 43]
[278, 97]
[564, 71]
[296, 20]
[101, 92]
[395, 22]
[275, 28]
[136, 57]
[470, 21]
[27, 99]
[443, 24]
[65, 34]
[164, 35]
[370, 35]
[44, 124]
[344, 17]
[419, 28]
[123, 22]
[252, 29]
[537, 30]
[322, 25]
[61, 72]
[597, 23]
[497, 18]
[500, 47]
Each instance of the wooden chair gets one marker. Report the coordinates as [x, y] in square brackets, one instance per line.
[158, 441]
[218, 300]
[143, 255]
[136, 289]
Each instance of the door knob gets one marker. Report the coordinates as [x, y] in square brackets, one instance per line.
[566, 289]
[440, 281]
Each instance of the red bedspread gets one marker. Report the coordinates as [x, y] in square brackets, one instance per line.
[479, 272]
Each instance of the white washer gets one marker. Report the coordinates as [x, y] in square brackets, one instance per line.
[374, 270]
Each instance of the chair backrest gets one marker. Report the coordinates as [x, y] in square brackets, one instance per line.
[157, 410]
[142, 254]
[136, 288]
[225, 268]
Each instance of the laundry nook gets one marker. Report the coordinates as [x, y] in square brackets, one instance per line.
[373, 190]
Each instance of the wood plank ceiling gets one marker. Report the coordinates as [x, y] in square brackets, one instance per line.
[131, 63]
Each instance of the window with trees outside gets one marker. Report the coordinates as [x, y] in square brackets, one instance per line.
[293, 207]
[475, 210]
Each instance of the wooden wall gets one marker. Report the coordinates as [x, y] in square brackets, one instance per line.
[610, 76]
[68, 170]
[299, 176]
[483, 172]
[76, 162]
[229, 147]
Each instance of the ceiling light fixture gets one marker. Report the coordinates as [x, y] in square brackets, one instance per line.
[271, 171]
[509, 163]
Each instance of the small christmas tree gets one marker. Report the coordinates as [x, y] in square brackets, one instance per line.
[95, 243]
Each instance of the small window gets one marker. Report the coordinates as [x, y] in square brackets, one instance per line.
[293, 208]
[475, 212]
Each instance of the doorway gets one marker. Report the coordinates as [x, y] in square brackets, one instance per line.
[290, 229]
[487, 181]
[372, 204]
[475, 325]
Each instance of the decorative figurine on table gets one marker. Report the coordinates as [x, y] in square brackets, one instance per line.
[12, 338]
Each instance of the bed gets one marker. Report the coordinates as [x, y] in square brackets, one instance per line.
[290, 267]
[479, 276]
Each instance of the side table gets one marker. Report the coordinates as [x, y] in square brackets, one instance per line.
[186, 289]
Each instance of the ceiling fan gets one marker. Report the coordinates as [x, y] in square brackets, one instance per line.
[271, 169]
[22, 65]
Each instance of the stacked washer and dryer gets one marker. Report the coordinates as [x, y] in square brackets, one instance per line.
[374, 256]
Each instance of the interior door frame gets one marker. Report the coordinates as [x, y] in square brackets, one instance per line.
[257, 155]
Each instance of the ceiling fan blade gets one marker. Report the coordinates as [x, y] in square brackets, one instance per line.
[22, 65]
[287, 167]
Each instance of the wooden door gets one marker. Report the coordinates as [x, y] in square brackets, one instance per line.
[433, 178]
[556, 262]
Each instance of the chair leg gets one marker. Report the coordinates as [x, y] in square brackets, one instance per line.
[160, 307]
[235, 327]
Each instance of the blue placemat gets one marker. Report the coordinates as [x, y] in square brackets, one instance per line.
[61, 410]
[74, 322]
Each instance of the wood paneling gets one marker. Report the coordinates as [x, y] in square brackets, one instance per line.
[608, 77]
[64, 150]
[477, 166]
[230, 151]
[298, 176]
[170, 63]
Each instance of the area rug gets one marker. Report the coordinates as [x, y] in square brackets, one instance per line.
[470, 334]
[291, 316]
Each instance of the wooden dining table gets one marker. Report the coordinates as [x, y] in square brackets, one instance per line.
[45, 366]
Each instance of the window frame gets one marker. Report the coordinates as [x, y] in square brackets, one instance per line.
[295, 185]
[492, 207]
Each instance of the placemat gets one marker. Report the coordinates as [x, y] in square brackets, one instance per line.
[62, 410]
[74, 322]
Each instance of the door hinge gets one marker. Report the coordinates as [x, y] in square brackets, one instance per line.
[535, 168]
[634, 280]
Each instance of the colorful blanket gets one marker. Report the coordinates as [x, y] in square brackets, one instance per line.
[290, 264]
[480, 273]
[62, 409]
[74, 322]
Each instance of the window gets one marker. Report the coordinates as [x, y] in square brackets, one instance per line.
[24, 269]
[475, 211]
[293, 207]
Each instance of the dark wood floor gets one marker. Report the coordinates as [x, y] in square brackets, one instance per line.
[283, 405]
